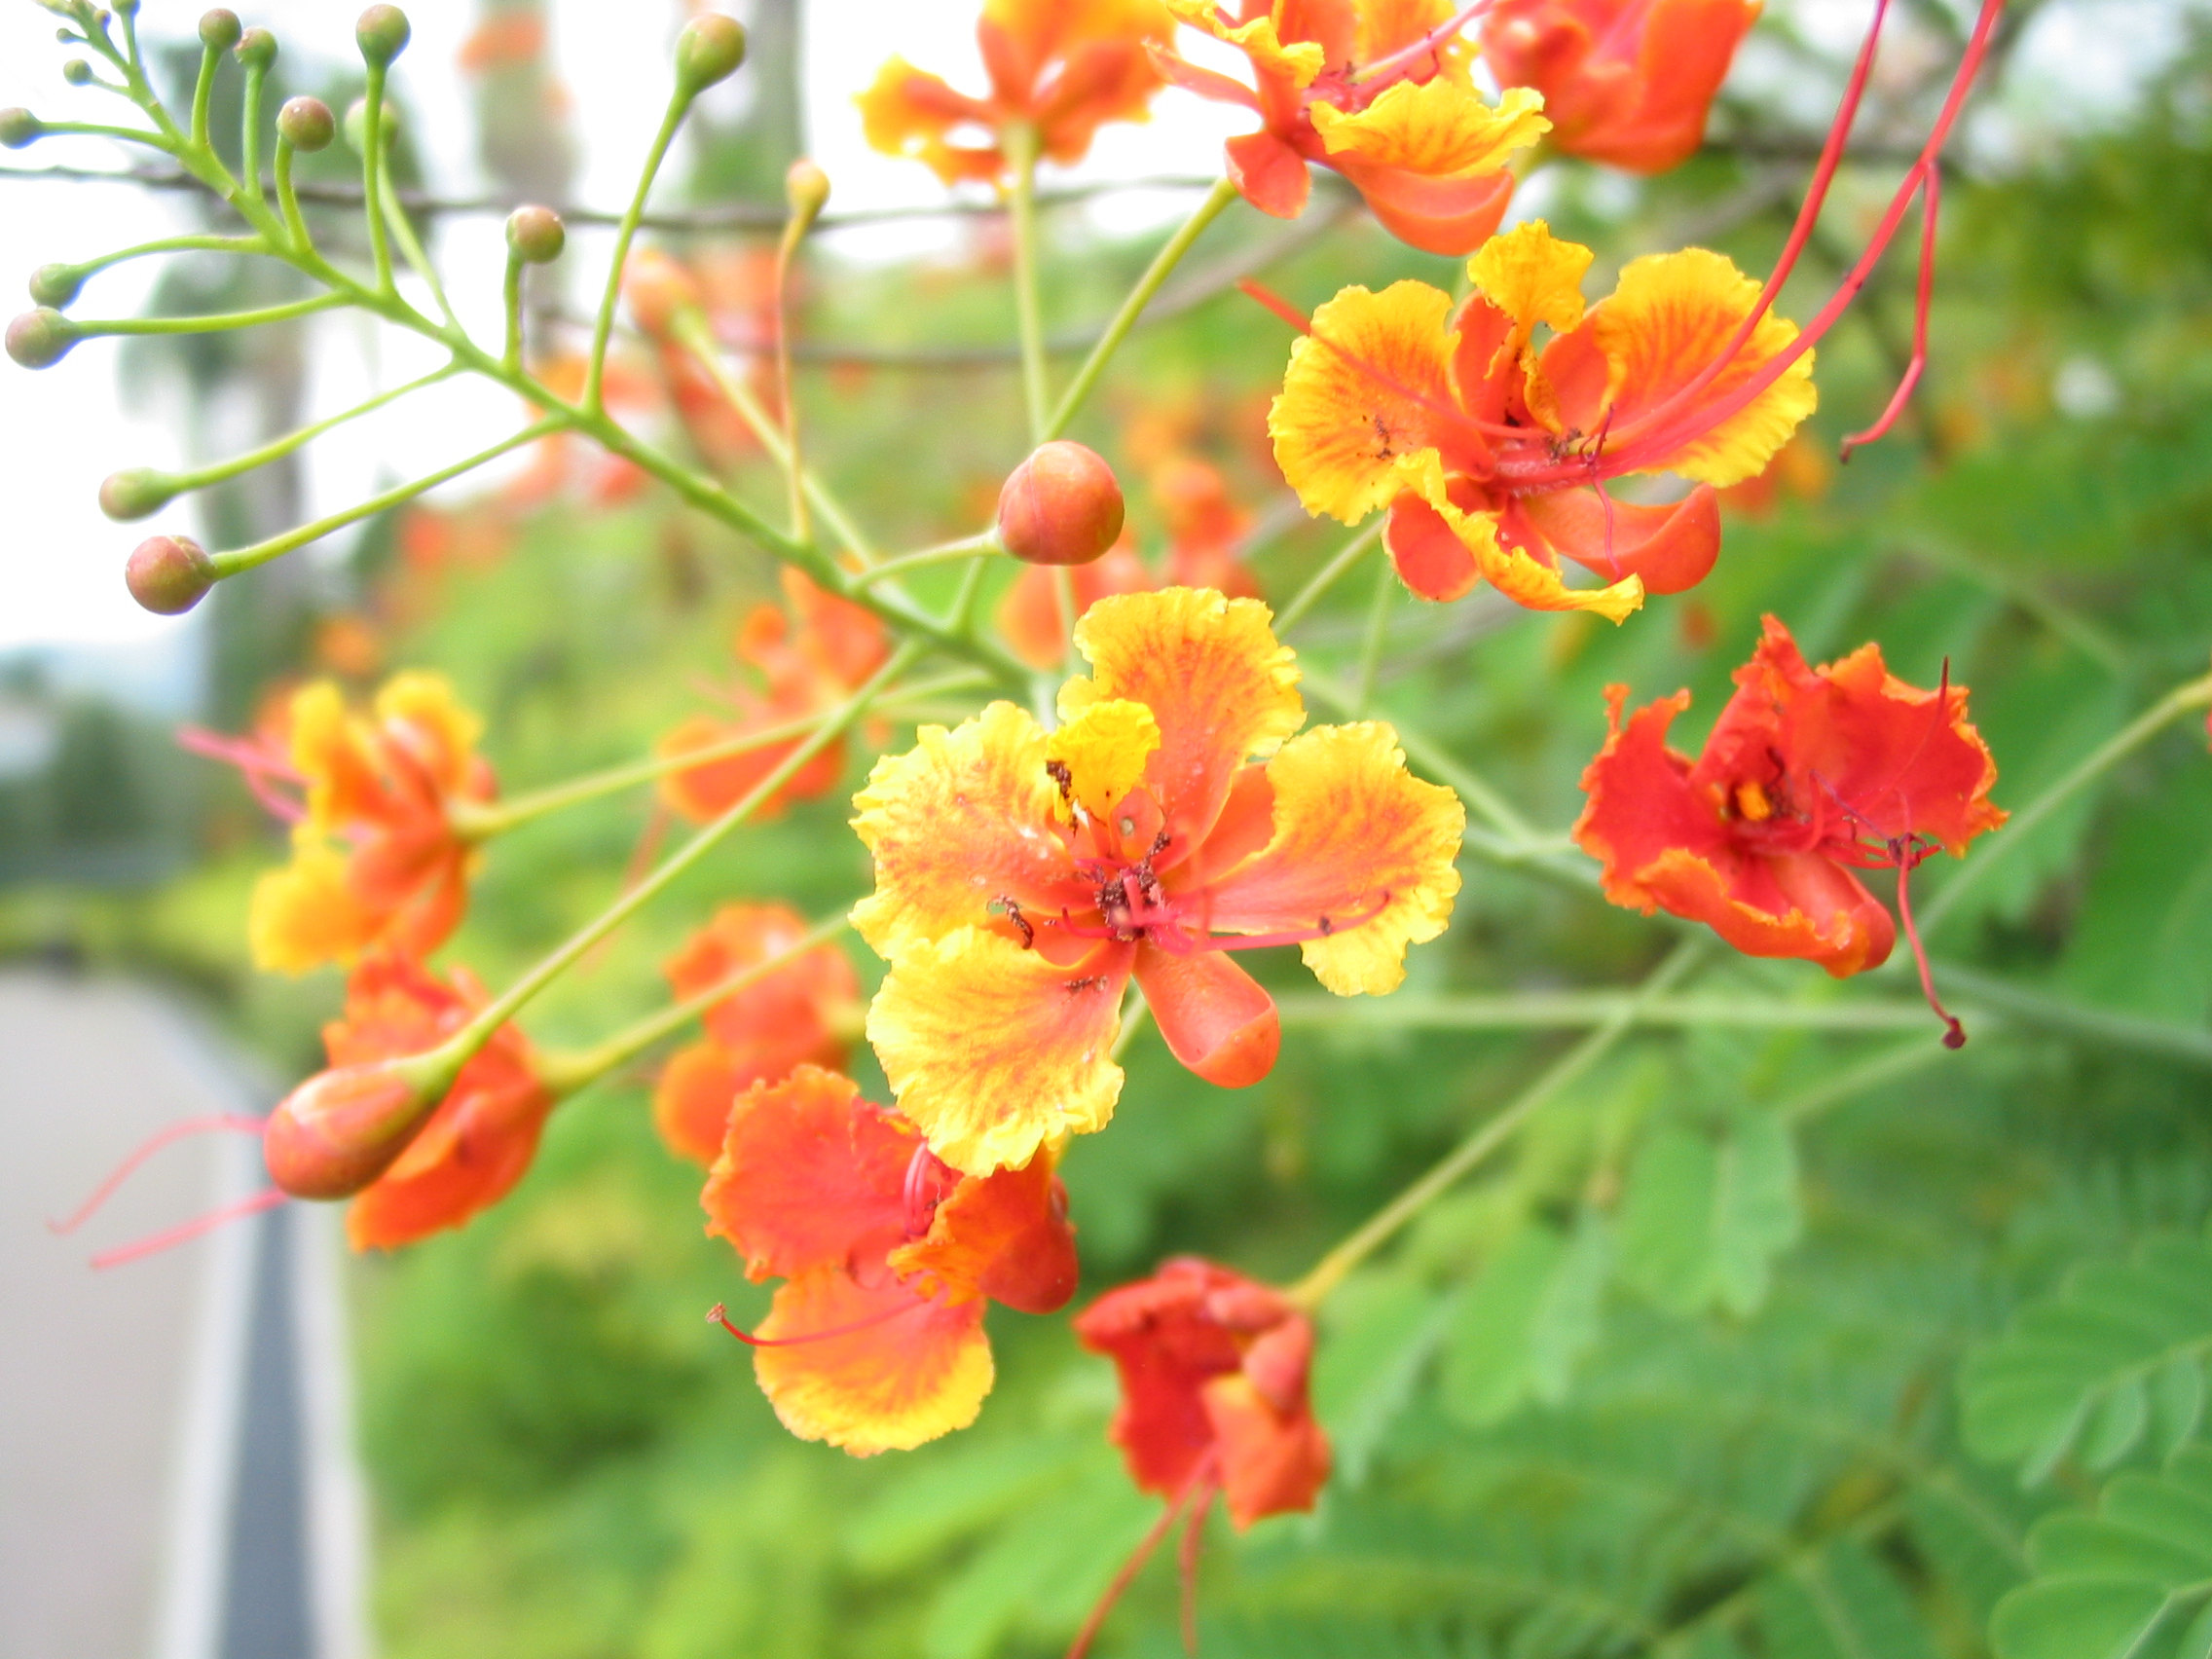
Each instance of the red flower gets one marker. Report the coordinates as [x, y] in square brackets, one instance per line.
[876, 1341]
[476, 1145]
[1809, 775]
[805, 1010]
[1625, 81]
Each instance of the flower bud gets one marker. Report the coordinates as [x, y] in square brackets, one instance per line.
[135, 493]
[56, 285]
[658, 290]
[341, 1128]
[537, 235]
[257, 48]
[709, 50]
[18, 127]
[220, 29]
[307, 124]
[357, 126]
[40, 338]
[168, 574]
[806, 187]
[381, 34]
[1061, 507]
[78, 72]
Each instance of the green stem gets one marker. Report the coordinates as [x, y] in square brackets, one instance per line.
[1323, 579]
[288, 202]
[1311, 1290]
[945, 553]
[222, 322]
[172, 245]
[1020, 140]
[603, 323]
[249, 131]
[1135, 1016]
[371, 175]
[1371, 641]
[2030, 1010]
[98, 130]
[563, 1075]
[510, 350]
[794, 455]
[2183, 699]
[1140, 296]
[261, 552]
[412, 247]
[203, 93]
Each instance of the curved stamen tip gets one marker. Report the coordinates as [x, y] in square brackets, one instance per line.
[718, 1315]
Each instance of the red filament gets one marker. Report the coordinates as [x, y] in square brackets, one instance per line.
[269, 1197]
[146, 1148]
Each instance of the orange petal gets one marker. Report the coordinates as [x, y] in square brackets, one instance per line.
[1801, 906]
[1005, 1236]
[710, 789]
[1415, 537]
[994, 1051]
[306, 913]
[1267, 173]
[1670, 316]
[810, 1176]
[1215, 679]
[1671, 549]
[889, 1387]
[908, 112]
[1447, 215]
[1366, 404]
[469, 1156]
[790, 1008]
[1216, 1018]
[962, 819]
[1293, 64]
[1029, 615]
[1353, 831]
[692, 1101]
[1272, 1462]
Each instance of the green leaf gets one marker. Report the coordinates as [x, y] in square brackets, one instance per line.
[2076, 1618]
[2116, 1354]
[1380, 1332]
[1528, 1320]
[1703, 1218]
[1843, 1604]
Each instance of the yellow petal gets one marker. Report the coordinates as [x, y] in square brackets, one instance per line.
[961, 819]
[306, 913]
[1353, 830]
[1533, 276]
[992, 1051]
[1258, 39]
[427, 701]
[1364, 400]
[1439, 128]
[1104, 749]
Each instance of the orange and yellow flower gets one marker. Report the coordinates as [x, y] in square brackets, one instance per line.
[1625, 81]
[807, 660]
[479, 1141]
[1492, 455]
[377, 862]
[1377, 90]
[1022, 876]
[874, 1342]
[1808, 776]
[1062, 67]
[804, 1011]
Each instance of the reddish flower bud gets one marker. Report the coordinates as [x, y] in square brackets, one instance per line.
[168, 574]
[537, 235]
[220, 29]
[381, 34]
[257, 48]
[806, 187]
[40, 338]
[18, 127]
[307, 124]
[56, 284]
[134, 493]
[709, 50]
[341, 1128]
[658, 289]
[1061, 507]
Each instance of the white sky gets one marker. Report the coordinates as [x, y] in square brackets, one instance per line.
[66, 429]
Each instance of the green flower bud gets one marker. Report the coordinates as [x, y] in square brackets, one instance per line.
[56, 284]
[307, 124]
[381, 34]
[806, 187]
[537, 235]
[220, 29]
[168, 574]
[135, 493]
[18, 127]
[357, 126]
[709, 50]
[257, 48]
[40, 338]
[77, 72]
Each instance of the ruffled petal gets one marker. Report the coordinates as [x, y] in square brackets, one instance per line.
[1533, 276]
[1670, 316]
[920, 1369]
[1005, 1236]
[1671, 549]
[1366, 404]
[1217, 1019]
[1292, 64]
[810, 1176]
[1355, 834]
[909, 112]
[1417, 535]
[994, 1051]
[962, 819]
[1438, 129]
[789, 1010]
[1104, 749]
[306, 913]
[1217, 682]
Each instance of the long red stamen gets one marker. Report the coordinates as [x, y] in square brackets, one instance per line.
[1187, 1564]
[1931, 193]
[269, 1197]
[717, 1315]
[1200, 1480]
[1326, 928]
[256, 764]
[146, 1148]
[1955, 1034]
[1276, 303]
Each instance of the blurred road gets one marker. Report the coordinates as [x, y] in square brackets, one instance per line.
[175, 1474]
